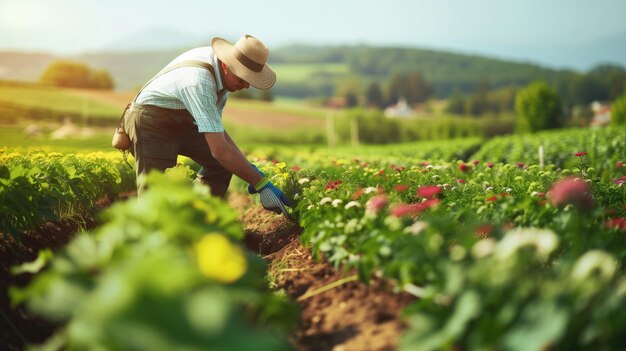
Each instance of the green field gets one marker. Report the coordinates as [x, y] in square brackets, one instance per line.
[294, 72]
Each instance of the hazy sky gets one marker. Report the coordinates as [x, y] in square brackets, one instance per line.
[505, 28]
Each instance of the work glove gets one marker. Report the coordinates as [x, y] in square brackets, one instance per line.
[251, 189]
[272, 198]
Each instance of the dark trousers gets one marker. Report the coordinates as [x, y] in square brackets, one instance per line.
[159, 135]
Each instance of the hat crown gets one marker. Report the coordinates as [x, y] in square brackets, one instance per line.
[252, 48]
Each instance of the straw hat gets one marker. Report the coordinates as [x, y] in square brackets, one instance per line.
[247, 59]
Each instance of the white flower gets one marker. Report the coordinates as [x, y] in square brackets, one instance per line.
[325, 200]
[351, 204]
[370, 189]
[303, 180]
[508, 190]
[336, 202]
[483, 248]
[595, 262]
[310, 207]
[416, 228]
[544, 240]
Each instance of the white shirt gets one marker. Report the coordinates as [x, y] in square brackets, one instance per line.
[191, 88]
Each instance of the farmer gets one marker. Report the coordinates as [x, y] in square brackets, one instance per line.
[179, 112]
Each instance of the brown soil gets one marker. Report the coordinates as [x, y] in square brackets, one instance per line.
[21, 327]
[270, 119]
[349, 316]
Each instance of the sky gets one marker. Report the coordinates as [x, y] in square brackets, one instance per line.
[526, 30]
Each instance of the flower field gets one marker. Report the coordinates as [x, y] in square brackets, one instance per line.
[516, 243]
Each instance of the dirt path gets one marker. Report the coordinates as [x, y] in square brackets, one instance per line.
[338, 312]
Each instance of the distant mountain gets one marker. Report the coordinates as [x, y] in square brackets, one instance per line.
[447, 71]
[160, 38]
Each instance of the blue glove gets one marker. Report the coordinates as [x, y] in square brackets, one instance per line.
[272, 198]
[251, 189]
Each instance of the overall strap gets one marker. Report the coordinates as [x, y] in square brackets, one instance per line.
[188, 63]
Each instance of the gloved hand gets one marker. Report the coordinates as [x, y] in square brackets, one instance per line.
[272, 198]
[251, 189]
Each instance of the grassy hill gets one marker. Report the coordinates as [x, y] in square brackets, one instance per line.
[311, 70]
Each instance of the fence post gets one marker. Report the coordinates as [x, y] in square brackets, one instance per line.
[330, 130]
[354, 132]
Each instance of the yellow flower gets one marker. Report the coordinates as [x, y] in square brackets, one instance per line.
[219, 259]
[281, 165]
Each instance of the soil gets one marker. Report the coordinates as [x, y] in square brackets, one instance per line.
[338, 312]
[349, 316]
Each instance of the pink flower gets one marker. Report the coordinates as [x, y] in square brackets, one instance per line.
[619, 164]
[296, 168]
[520, 165]
[490, 164]
[428, 191]
[376, 203]
[412, 210]
[475, 162]
[571, 191]
[461, 181]
[580, 154]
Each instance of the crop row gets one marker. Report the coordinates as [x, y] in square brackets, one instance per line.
[167, 271]
[39, 186]
[501, 255]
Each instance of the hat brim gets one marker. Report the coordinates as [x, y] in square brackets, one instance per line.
[263, 79]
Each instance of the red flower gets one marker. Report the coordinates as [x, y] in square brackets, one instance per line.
[580, 154]
[619, 164]
[475, 162]
[401, 187]
[296, 168]
[489, 164]
[464, 167]
[376, 203]
[619, 223]
[333, 185]
[462, 181]
[484, 230]
[520, 165]
[492, 199]
[571, 191]
[381, 172]
[428, 191]
[357, 193]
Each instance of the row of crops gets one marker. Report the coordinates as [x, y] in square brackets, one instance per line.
[502, 253]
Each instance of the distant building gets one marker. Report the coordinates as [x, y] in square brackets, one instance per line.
[601, 114]
[400, 109]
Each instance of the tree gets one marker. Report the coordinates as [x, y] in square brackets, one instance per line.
[374, 95]
[412, 86]
[618, 111]
[70, 74]
[456, 104]
[538, 107]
